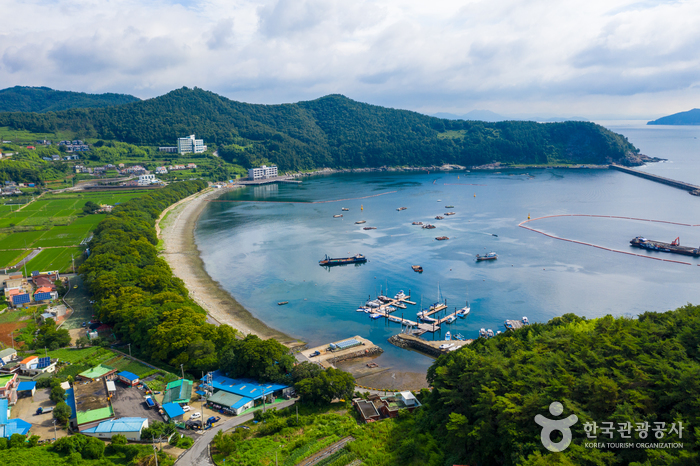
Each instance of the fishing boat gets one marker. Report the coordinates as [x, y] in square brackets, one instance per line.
[345, 209]
[400, 295]
[482, 333]
[448, 335]
[489, 333]
[417, 268]
[360, 222]
[328, 261]
[417, 223]
[439, 217]
[369, 228]
[428, 226]
[449, 207]
[402, 208]
[282, 303]
[337, 215]
[450, 213]
[525, 321]
[442, 238]
[488, 257]
[450, 319]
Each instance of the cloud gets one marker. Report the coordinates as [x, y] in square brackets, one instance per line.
[505, 55]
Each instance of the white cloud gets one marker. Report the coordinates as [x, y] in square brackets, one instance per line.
[512, 56]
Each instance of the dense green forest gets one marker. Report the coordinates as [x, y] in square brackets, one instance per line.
[644, 370]
[43, 99]
[332, 131]
[691, 117]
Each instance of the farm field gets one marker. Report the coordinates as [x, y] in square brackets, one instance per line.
[8, 258]
[55, 259]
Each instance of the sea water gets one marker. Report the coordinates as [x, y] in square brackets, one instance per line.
[267, 252]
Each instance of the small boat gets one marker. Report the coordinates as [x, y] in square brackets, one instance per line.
[494, 234]
[375, 315]
[417, 268]
[374, 303]
[362, 309]
[395, 319]
[337, 215]
[489, 333]
[345, 209]
[402, 208]
[428, 226]
[372, 364]
[428, 319]
[525, 321]
[464, 312]
[448, 335]
[482, 332]
[446, 346]
[442, 238]
[439, 217]
[450, 319]
[360, 222]
[368, 311]
[450, 213]
[417, 223]
[400, 305]
[449, 207]
[499, 332]
[282, 303]
[439, 200]
[459, 337]
[385, 299]
[488, 257]
[369, 228]
[389, 309]
[400, 295]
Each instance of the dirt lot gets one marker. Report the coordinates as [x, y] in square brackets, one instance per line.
[42, 424]
[76, 333]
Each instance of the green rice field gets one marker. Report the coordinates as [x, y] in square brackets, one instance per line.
[8, 258]
[55, 259]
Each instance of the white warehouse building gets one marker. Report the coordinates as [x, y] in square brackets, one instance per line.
[189, 145]
[262, 172]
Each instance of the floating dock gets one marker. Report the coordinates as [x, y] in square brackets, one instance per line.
[431, 348]
[659, 179]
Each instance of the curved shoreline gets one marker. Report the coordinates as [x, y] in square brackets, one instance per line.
[176, 226]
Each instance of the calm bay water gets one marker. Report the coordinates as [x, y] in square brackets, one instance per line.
[265, 252]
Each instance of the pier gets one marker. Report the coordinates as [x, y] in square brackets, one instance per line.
[659, 179]
[431, 348]
[328, 356]
[514, 324]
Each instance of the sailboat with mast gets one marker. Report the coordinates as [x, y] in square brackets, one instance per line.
[464, 312]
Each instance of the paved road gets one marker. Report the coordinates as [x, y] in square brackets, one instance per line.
[198, 454]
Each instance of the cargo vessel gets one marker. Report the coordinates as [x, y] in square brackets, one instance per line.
[674, 246]
[356, 259]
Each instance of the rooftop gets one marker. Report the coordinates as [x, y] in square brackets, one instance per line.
[179, 391]
[5, 379]
[125, 424]
[173, 410]
[230, 400]
[243, 387]
[96, 372]
[6, 352]
[128, 375]
[91, 403]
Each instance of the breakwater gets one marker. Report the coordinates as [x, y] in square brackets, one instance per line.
[691, 188]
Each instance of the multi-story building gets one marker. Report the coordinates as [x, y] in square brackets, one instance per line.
[189, 145]
[262, 172]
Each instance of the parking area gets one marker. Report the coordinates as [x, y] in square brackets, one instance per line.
[131, 402]
[42, 424]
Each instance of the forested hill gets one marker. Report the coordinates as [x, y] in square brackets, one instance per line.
[332, 131]
[691, 117]
[43, 99]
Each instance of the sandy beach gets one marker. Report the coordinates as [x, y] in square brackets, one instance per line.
[176, 227]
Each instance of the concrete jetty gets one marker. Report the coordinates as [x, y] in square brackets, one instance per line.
[659, 179]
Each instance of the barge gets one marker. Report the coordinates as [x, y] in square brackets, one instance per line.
[329, 261]
[674, 246]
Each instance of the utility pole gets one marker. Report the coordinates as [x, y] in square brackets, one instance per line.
[155, 451]
[297, 407]
[73, 262]
[183, 371]
[54, 429]
[129, 349]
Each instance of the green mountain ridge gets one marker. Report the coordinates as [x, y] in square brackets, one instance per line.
[333, 131]
[691, 117]
[44, 99]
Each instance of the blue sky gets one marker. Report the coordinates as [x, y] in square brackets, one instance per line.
[592, 58]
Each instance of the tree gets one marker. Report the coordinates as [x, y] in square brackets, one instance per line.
[328, 385]
[119, 439]
[18, 441]
[305, 370]
[90, 207]
[57, 393]
[94, 448]
[82, 342]
[62, 412]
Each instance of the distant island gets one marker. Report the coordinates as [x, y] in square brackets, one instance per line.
[691, 117]
[44, 99]
[333, 132]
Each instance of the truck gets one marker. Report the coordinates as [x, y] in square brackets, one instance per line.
[44, 410]
[213, 419]
[149, 402]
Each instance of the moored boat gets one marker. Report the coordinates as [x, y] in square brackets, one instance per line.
[489, 333]
[488, 257]
[449, 207]
[282, 303]
[360, 222]
[329, 261]
[525, 321]
[345, 209]
[428, 226]
[402, 208]
[395, 319]
[362, 309]
[482, 332]
[450, 213]
[400, 295]
[337, 215]
[442, 238]
[439, 217]
[369, 228]
[448, 335]
[417, 223]
[417, 268]
[450, 319]
[375, 316]
[464, 312]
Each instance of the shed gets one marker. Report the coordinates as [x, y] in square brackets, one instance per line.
[128, 378]
[26, 389]
[11, 426]
[231, 401]
[130, 427]
[173, 411]
[107, 372]
[408, 398]
[7, 355]
[111, 388]
[179, 391]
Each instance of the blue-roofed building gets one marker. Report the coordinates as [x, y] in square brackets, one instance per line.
[128, 378]
[70, 401]
[173, 412]
[130, 427]
[25, 389]
[11, 426]
[246, 387]
[230, 402]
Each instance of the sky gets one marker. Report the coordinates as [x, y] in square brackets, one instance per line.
[589, 58]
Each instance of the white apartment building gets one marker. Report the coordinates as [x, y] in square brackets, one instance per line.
[146, 180]
[190, 144]
[262, 172]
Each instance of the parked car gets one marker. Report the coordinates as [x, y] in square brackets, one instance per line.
[43, 410]
[196, 415]
[315, 353]
[186, 408]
